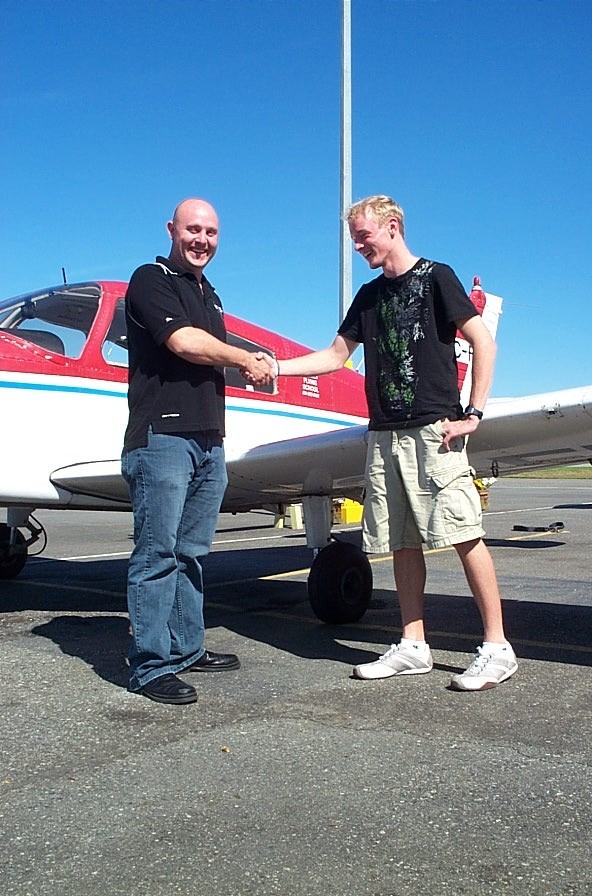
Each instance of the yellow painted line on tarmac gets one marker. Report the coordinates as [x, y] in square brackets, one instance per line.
[274, 576]
[522, 536]
[56, 586]
[470, 638]
[381, 559]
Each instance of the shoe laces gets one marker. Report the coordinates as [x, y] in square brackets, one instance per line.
[479, 662]
[393, 649]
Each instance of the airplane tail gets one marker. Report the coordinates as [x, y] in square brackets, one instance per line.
[489, 307]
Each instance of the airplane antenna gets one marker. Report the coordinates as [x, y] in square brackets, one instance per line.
[64, 276]
[345, 253]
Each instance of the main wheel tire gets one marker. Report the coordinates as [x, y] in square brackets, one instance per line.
[340, 583]
[12, 558]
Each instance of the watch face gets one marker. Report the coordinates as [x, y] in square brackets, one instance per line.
[470, 411]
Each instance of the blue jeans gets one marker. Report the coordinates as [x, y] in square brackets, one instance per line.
[176, 484]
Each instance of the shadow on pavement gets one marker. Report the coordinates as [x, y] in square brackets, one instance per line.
[281, 618]
[277, 612]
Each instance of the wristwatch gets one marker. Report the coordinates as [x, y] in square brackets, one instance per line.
[470, 411]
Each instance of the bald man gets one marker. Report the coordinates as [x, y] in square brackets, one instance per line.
[173, 454]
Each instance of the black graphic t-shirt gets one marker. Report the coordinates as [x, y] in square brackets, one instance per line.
[408, 325]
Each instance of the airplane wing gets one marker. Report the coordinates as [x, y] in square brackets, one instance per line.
[516, 434]
[330, 463]
[327, 464]
[99, 480]
[534, 431]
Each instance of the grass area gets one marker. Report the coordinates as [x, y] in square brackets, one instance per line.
[579, 472]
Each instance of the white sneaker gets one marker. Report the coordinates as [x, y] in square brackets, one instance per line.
[487, 670]
[399, 659]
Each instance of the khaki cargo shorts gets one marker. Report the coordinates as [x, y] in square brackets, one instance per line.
[417, 492]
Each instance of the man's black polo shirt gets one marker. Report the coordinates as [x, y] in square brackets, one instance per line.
[165, 391]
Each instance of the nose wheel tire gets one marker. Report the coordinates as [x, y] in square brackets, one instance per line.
[340, 583]
[12, 557]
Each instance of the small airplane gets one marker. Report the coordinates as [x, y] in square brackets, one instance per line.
[63, 388]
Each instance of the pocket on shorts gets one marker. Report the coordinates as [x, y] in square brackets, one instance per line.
[455, 498]
[443, 478]
[437, 467]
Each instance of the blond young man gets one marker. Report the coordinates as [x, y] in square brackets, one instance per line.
[419, 486]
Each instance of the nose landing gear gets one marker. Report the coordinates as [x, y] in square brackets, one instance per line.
[13, 551]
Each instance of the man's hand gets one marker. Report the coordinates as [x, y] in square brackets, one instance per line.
[455, 428]
[260, 369]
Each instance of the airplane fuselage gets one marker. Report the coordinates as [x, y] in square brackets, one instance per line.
[65, 412]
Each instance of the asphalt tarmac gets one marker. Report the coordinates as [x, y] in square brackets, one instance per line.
[289, 776]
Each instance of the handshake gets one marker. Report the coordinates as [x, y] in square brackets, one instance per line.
[260, 369]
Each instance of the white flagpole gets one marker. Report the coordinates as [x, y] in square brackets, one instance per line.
[345, 252]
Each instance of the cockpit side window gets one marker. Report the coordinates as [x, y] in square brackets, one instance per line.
[115, 351]
[234, 377]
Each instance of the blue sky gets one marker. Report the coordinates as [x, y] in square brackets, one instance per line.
[474, 115]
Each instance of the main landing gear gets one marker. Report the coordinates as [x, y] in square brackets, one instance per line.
[340, 583]
[340, 579]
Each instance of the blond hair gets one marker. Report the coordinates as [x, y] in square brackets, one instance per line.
[380, 207]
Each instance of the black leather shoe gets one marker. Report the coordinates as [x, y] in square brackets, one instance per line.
[169, 689]
[215, 662]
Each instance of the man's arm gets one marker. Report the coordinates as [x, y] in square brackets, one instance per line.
[199, 347]
[484, 350]
[326, 360]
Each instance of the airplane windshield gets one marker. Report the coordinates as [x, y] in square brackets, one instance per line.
[58, 319]
[115, 345]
